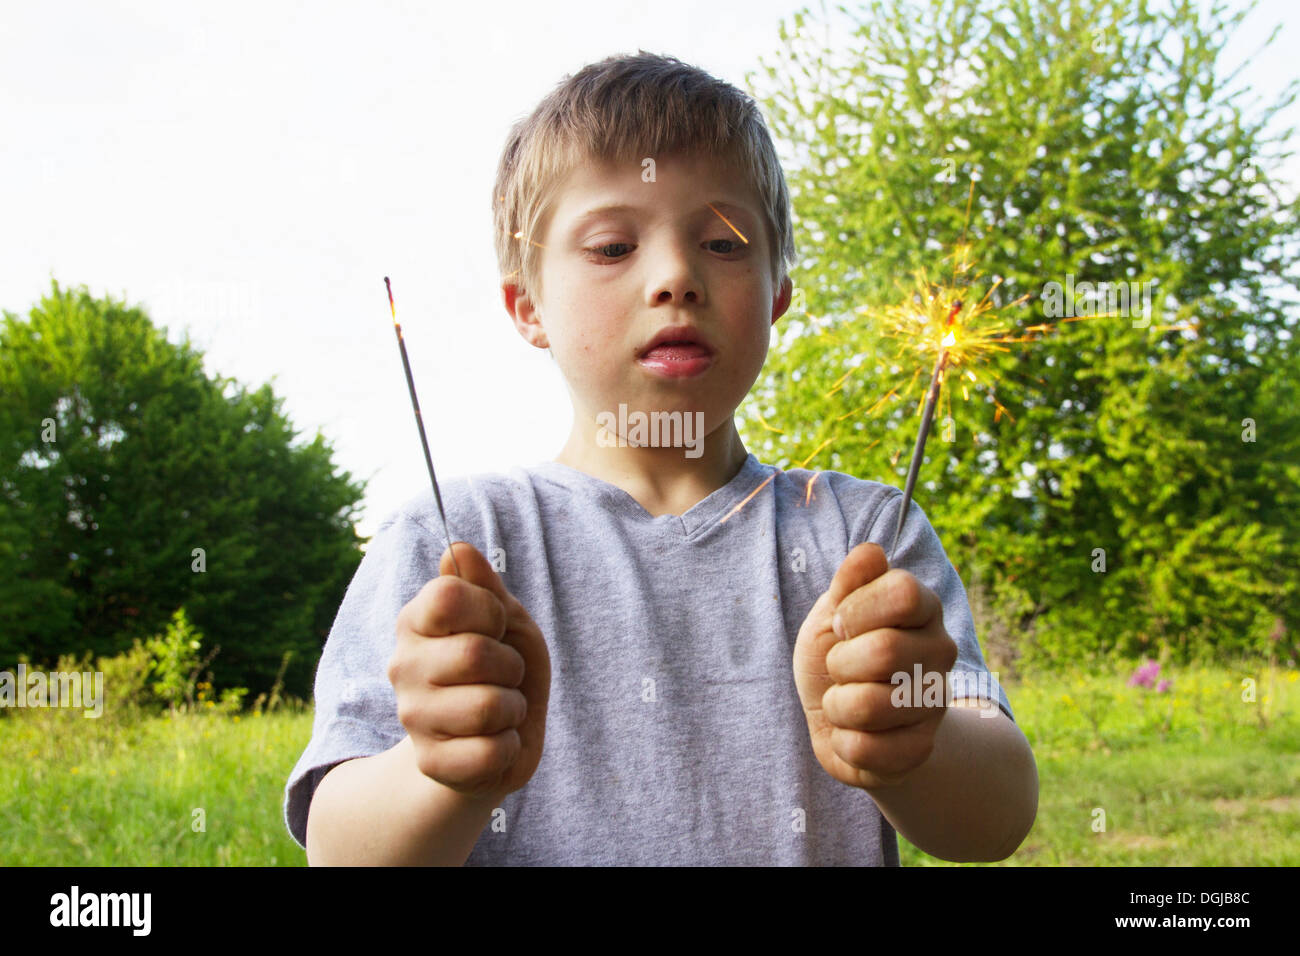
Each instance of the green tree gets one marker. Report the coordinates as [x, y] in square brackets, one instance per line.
[1105, 146]
[132, 483]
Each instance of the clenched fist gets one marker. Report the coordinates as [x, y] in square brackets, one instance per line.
[472, 677]
[871, 624]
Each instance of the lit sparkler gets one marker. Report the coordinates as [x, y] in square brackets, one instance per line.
[419, 421]
[937, 319]
[961, 337]
[948, 329]
[932, 394]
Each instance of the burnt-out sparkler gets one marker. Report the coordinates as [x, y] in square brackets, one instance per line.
[419, 422]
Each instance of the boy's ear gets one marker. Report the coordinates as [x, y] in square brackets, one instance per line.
[782, 301]
[525, 315]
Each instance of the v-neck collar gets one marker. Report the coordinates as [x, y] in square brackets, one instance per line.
[702, 514]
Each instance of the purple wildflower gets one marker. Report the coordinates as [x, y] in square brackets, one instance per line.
[1145, 675]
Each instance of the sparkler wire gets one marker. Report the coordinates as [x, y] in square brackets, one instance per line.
[419, 422]
[919, 451]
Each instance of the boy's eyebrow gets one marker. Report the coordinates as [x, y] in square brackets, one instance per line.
[615, 208]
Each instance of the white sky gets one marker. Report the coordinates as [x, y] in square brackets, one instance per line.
[252, 171]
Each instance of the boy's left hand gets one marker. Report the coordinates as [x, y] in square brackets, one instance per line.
[893, 622]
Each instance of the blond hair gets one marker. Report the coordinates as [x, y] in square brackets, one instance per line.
[625, 108]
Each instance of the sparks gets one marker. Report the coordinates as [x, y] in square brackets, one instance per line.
[936, 320]
[519, 234]
[723, 519]
[729, 223]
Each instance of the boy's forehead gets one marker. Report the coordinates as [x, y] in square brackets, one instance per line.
[602, 187]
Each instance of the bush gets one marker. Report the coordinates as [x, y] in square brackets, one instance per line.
[174, 668]
[174, 663]
[127, 694]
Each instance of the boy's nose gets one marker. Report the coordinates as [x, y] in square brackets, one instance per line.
[667, 294]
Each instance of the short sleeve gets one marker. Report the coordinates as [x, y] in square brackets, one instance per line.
[355, 706]
[921, 553]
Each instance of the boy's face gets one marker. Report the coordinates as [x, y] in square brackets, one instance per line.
[613, 280]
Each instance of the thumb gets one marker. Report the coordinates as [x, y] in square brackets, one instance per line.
[474, 568]
[861, 566]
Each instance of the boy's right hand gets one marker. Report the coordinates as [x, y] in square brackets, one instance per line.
[472, 677]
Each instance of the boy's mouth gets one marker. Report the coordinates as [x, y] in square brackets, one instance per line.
[679, 351]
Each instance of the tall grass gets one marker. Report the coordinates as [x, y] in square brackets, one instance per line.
[1194, 775]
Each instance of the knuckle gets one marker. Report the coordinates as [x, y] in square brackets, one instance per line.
[518, 668]
[906, 590]
[493, 756]
[510, 710]
[876, 707]
[828, 701]
[406, 712]
[890, 644]
[838, 702]
[505, 748]
[838, 667]
[473, 657]
[487, 710]
[514, 747]
[433, 763]
[446, 605]
[859, 750]
[498, 616]
[426, 760]
[849, 697]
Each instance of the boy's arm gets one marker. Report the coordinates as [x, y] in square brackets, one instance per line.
[382, 811]
[975, 797]
[959, 783]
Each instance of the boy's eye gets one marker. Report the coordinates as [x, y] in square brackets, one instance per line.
[730, 242]
[609, 245]
[603, 252]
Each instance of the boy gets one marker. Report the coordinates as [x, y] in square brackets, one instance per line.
[684, 658]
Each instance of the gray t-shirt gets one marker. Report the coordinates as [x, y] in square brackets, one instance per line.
[674, 733]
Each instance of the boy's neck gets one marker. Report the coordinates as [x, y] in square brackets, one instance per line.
[662, 480]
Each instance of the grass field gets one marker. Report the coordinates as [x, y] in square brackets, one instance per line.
[1191, 776]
